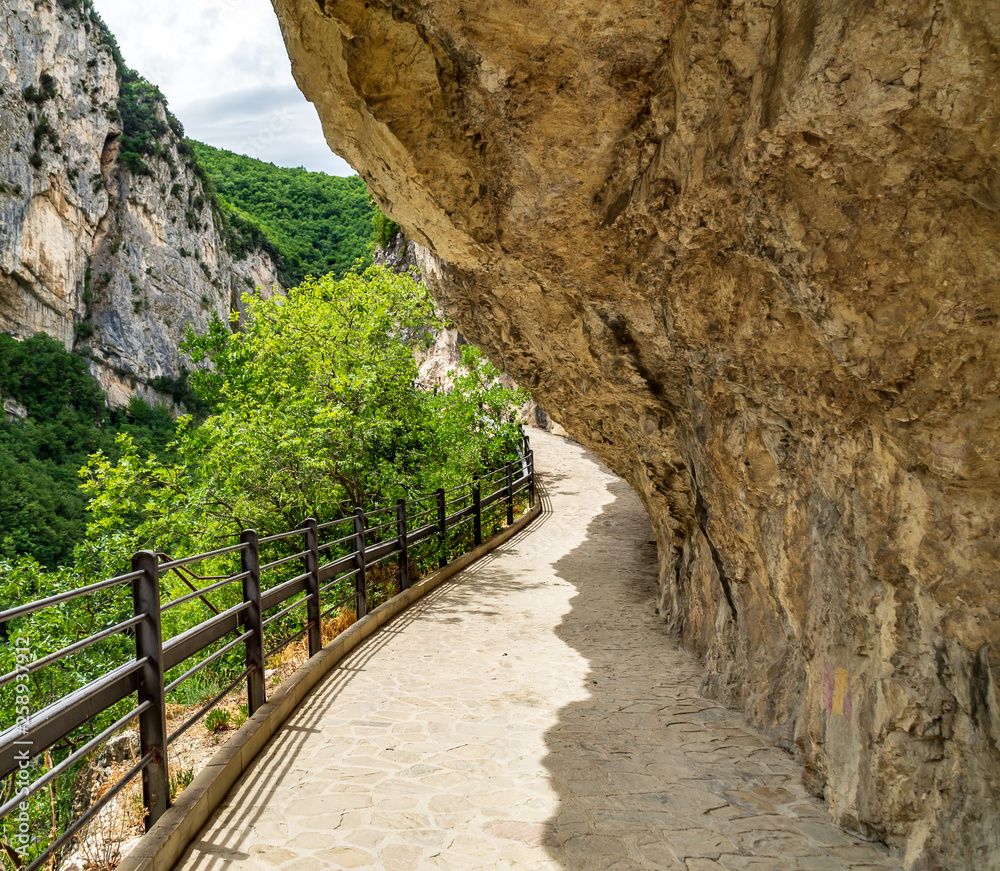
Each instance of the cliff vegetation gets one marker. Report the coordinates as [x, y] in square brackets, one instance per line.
[57, 417]
[314, 410]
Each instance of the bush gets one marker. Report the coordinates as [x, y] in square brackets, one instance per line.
[384, 228]
[46, 90]
[179, 388]
[242, 715]
[218, 720]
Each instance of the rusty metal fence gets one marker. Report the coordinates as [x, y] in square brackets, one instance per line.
[331, 566]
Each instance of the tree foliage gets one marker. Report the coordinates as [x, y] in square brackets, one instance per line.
[384, 228]
[315, 406]
[42, 509]
[142, 108]
[314, 409]
[320, 223]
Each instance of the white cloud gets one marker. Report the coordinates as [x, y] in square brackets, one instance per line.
[223, 68]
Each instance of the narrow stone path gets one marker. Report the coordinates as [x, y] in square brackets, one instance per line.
[532, 714]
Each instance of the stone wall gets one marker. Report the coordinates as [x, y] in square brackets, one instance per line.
[749, 253]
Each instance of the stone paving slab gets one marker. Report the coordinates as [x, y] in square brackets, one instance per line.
[532, 714]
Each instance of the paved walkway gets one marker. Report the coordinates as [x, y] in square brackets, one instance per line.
[533, 714]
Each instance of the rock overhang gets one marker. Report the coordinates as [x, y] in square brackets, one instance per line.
[747, 252]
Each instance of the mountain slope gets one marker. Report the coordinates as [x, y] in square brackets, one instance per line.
[320, 223]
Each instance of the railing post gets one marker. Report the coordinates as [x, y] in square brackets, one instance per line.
[531, 478]
[360, 576]
[477, 512]
[152, 721]
[252, 620]
[313, 610]
[403, 545]
[442, 528]
[510, 494]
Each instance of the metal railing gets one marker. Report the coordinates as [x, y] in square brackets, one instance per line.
[338, 569]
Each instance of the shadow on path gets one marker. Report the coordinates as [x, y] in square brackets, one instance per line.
[649, 774]
[531, 714]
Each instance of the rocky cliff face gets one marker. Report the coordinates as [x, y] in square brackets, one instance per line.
[750, 251]
[114, 261]
[437, 362]
[439, 359]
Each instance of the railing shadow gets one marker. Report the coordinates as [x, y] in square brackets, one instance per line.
[273, 772]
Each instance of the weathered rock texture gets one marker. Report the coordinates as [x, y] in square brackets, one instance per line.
[91, 252]
[749, 252]
[438, 361]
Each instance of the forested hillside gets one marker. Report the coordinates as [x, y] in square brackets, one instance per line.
[321, 224]
[55, 417]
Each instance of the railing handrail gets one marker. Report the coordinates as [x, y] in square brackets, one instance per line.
[145, 677]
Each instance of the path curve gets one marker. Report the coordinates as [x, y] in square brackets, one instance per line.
[534, 713]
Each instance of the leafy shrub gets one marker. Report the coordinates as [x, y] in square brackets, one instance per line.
[179, 781]
[218, 720]
[43, 130]
[384, 228]
[242, 715]
[179, 388]
[46, 90]
[134, 162]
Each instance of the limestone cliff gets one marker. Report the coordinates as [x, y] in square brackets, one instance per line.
[438, 359]
[749, 252]
[114, 260]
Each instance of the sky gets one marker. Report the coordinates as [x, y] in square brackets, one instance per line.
[223, 68]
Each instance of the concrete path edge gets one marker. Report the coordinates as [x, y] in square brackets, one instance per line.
[163, 845]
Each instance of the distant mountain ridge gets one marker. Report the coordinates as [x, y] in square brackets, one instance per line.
[317, 223]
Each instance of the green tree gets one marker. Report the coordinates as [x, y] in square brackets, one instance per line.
[384, 228]
[315, 409]
[473, 420]
[316, 405]
[42, 509]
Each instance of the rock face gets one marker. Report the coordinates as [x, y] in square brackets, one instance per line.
[438, 359]
[749, 253]
[92, 252]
